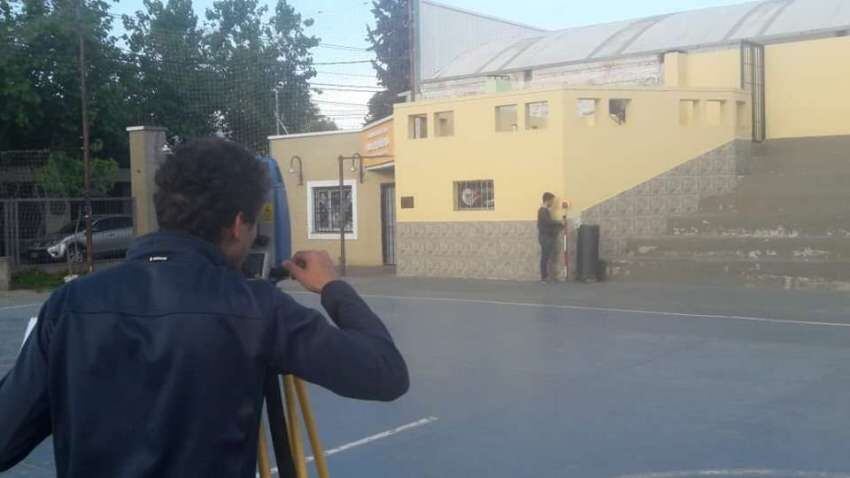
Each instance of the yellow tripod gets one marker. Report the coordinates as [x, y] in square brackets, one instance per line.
[294, 389]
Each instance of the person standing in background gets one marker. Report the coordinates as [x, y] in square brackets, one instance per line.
[548, 230]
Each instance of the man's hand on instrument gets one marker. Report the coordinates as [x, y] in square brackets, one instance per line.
[313, 269]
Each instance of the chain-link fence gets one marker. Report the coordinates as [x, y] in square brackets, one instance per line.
[51, 233]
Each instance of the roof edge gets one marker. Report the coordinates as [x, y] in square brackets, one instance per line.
[484, 16]
[766, 40]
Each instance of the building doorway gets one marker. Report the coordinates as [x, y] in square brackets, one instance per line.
[388, 223]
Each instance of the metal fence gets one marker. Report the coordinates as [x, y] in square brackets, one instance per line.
[51, 233]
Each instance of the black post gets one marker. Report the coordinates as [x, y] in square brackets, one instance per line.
[85, 127]
[277, 427]
[342, 217]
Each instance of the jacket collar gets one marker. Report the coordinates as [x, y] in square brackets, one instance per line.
[161, 244]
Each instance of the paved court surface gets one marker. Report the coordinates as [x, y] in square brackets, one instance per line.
[609, 380]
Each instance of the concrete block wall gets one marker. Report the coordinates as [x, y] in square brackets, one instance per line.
[645, 209]
[501, 250]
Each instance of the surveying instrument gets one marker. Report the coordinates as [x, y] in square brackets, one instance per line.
[272, 247]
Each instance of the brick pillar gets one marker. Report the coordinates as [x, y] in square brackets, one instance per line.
[146, 144]
[5, 273]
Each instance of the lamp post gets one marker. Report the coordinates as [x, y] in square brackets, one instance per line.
[356, 161]
[292, 161]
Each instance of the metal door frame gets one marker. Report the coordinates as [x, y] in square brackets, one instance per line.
[752, 80]
[388, 220]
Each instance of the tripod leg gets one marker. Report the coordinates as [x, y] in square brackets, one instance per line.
[312, 431]
[277, 428]
[294, 427]
[263, 462]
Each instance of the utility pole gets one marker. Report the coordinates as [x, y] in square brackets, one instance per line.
[411, 26]
[277, 121]
[356, 162]
[85, 127]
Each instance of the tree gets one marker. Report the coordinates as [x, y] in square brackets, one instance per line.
[40, 76]
[64, 176]
[390, 40]
[221, 79]
[321, 123]
[172, 80]
[254, 57]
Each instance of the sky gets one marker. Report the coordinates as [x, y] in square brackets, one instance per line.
[343, 23]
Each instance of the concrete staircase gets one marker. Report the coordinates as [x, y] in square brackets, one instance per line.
[786, 224]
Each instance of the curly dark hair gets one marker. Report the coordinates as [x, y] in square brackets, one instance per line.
[205, 183]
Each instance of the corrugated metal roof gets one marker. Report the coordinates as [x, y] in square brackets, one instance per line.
[445, 32]
[758, 21]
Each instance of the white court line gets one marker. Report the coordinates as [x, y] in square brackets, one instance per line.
[740, 473]
[371, 438]
[603, 309]
[15, 307]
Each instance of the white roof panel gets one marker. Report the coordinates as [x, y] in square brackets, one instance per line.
[573, 44]
[811, 15]
[767, 19]
[698, 27]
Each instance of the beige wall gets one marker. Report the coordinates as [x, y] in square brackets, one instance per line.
[714, 69]
[319, 154]
[586, 161]
[806, 87]
[522, 164]
[606, 159]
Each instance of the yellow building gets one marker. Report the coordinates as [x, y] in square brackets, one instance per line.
[311, 167]
[637, 123]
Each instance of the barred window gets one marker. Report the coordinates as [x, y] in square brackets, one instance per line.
[326, 210]
[474, 195]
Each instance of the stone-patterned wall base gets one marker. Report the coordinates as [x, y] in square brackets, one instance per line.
[510, 251]
[644, 209]
[473, 250]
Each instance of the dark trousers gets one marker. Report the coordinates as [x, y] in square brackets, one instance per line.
[548, 252]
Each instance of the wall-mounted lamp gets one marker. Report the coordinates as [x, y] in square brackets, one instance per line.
[300, 171]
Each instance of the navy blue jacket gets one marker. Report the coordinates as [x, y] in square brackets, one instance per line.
[155, 367]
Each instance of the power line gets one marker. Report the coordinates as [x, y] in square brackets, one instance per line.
[352, 62]
[336, 73]
[345, 85]
[334, 46]
[343, 90]
[340, 103]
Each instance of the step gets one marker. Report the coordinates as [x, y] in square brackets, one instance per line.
[829, 153]
[745, 273]
[760, 225]
[789, 203]
[797, 183]
[802, 249]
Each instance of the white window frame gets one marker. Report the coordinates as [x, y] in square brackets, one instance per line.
[325, 184]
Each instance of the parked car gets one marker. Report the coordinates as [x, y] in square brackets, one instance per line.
[111, 236]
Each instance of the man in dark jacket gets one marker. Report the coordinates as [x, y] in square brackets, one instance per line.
[156, 367]
[548, 230]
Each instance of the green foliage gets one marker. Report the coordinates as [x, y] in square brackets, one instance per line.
[39, 75]
[194, 80]
[390, 40]
[64, 176]
[321, 124]
[38, 280]
[221, 79]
